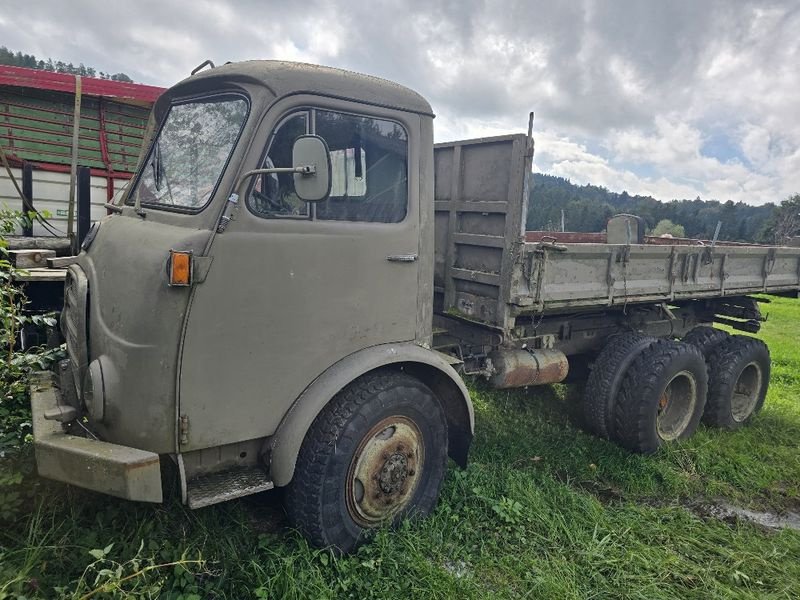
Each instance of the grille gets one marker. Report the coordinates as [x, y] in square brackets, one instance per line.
[73, 322]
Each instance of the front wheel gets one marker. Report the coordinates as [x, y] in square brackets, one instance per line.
[375, 454]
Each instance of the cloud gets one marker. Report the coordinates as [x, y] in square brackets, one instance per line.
[628, 94]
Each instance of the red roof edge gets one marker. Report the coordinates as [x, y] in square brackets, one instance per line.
[90, 86]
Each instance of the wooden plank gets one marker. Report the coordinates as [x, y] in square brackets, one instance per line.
[60, 262]
[30, 259]
[59, 244]
[30, 275]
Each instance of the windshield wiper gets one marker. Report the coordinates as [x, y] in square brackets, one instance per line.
[160, 172]
[155, 163]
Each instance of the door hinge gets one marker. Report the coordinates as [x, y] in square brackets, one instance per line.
[184, 429]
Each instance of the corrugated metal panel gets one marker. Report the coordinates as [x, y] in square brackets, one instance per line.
[36, 126]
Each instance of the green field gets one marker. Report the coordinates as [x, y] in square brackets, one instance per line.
[543, 510]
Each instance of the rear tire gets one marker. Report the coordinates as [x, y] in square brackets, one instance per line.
[662, 397]
[739, 371]
[605, 380]
[375, 454]
[706, 338]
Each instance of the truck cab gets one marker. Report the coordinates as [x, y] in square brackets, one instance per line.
[251, 308]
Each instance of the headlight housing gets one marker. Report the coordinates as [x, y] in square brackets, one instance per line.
[94, 390]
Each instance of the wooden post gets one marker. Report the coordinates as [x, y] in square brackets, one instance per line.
[76, 130]
[27, 198]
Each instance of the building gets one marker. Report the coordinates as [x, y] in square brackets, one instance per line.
[37, 111]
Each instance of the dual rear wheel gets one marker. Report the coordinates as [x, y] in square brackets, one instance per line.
[645, 392]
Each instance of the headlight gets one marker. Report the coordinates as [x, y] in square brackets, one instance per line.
[94, 391]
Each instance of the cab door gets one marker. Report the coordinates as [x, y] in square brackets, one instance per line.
[295, 287]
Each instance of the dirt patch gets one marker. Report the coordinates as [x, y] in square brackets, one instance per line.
[265, 512]
[786, 518]
[729, 513]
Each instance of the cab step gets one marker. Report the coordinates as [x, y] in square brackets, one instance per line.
[226, 485]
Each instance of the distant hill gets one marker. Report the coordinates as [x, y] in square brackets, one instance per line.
[588, 207]
[18, 59]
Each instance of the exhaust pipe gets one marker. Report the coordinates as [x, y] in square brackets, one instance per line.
[521, 368]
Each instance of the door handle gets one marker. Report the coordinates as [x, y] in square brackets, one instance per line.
[407, 258]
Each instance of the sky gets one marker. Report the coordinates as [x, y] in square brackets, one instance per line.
[674, 99]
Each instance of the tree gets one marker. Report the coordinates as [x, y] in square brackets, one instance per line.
[587, 207]
[18, 59]
[785, 221]
[667, 227]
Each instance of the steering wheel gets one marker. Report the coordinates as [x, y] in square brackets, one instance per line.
[278, 205]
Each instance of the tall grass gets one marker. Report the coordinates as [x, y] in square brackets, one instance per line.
[543, 510]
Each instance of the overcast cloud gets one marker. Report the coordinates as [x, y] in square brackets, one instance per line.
[675, 99]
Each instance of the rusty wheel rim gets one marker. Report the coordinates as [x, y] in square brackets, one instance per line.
[385, 471]
[676, 406]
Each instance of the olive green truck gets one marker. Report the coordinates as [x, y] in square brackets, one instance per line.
[295, 282]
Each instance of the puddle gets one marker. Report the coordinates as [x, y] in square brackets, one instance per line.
[728, 512]
[457, 568]
[720, 510]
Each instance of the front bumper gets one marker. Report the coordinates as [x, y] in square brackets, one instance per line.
[100, 466]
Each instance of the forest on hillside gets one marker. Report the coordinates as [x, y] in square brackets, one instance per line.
[19, 59]
[587, 208]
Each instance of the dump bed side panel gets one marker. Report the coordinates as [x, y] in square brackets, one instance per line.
[481, 193]
[560, 276]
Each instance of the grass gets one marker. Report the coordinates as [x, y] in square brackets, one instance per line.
[543, 511]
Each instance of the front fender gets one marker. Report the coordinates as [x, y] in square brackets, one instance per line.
[426, 364]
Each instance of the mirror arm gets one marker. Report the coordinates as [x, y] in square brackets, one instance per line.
[305, 169]
[233, 199]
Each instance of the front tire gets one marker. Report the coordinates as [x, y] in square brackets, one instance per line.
[375, 454]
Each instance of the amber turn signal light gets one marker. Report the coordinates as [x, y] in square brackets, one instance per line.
[180, 268]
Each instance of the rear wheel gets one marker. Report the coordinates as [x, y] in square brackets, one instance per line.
[662, 396]
[739, 371]
[376, 453]
[706, 338]
[605, 380]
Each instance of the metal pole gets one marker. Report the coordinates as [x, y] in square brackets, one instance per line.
[84, 205]
[27, 198]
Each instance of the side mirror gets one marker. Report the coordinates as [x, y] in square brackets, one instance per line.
[313, 151]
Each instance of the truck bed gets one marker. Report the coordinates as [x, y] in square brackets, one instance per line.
[556, 276]
[486, 271]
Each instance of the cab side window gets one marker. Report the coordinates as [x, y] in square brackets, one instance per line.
[369, 168]
[273, 195]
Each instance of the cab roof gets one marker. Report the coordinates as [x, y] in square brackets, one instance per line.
[285, 78]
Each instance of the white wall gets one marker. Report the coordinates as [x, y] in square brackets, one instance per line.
[51, 194]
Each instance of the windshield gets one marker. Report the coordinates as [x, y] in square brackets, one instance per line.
[187, 158]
